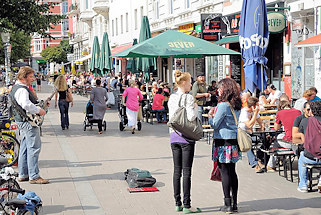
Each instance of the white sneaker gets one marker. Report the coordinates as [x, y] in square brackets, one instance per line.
[303, 189]
[319, 186]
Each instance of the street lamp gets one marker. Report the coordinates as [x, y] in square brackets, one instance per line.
[5, 36]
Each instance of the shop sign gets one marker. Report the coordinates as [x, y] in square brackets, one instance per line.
[276, 22]
[211, 27]
[186, 28]
[232, 24]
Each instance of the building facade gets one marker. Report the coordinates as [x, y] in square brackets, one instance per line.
[58, 33]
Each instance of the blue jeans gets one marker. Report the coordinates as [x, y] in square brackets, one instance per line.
[251, 158]
[30, 146]
[303, 172]
[158, 114]
[64, 118]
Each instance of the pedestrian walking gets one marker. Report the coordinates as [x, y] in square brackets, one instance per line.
[38, 78]
[225, 147]
[30, 144]
[200, 93]
[63, 90]
[133, 95]
[182, 150]
[99, 97]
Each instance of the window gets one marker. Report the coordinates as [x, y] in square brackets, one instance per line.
[188, 4]
[126, 22]
[156, 11]
[65, 25]
[116, 26]
[87, 4]
[121, 24]
[135, 16]
[112, 28]
[64, 7]
[171, 10]
[47, 43]
[37, 45]
[141, 12]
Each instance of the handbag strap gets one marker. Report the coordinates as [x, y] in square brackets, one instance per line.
[180, 98]
[232, 110]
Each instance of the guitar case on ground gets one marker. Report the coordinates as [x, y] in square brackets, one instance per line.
[139, 178]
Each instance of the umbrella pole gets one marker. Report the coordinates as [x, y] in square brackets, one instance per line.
[262, 78]
[170, 64]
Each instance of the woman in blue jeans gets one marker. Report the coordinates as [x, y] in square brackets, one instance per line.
[183, 151]
[62, 90]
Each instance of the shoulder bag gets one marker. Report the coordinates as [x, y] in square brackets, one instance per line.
[190, 129]
[68, 96]
[244, 140]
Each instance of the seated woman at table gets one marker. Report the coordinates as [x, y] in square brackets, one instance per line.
[154, 88]
[300, 102]
[158, 101]
[249, 115]
[285, 117]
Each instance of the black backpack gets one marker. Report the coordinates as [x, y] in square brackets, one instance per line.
[139, 178]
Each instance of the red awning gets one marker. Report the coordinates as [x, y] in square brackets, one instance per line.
[120, 48]
[310, 42]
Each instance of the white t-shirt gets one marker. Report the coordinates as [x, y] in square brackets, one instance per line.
[245, 116]
[277, 95]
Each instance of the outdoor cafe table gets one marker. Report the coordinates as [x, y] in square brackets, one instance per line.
[267, 112]
[270, 106]
[264, 135]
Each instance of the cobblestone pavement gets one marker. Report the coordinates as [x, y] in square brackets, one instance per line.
[86, 172]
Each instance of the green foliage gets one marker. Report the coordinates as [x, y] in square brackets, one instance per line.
[20, 47]
[64, 44]
[28, 15]
[54, 54]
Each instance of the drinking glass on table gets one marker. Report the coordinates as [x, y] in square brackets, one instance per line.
[266, 123]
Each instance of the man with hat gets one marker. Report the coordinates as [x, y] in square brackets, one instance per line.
[200, 93]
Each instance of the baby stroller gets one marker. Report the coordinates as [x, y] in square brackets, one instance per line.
[89, 121]
[123, 118]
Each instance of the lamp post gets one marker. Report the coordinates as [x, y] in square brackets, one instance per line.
[5, 36]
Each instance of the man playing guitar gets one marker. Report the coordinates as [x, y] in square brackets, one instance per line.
[30, 136]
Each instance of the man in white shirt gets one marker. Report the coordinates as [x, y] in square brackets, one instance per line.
[30, 144]
[249, 115]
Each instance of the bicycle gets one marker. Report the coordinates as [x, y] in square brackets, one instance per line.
[9, 145]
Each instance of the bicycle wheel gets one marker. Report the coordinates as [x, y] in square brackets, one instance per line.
[11, 183]
[9, 148]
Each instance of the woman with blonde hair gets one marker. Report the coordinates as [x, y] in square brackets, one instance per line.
[182, 150]
[63, 90]
[133, 95]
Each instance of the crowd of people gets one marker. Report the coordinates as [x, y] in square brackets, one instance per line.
[300, 124]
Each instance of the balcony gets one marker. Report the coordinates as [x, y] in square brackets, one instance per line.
[87, 16]
[74, 9]
[101, 7]
[75, 38]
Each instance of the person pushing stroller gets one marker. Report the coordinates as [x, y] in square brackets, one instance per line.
[99, 97]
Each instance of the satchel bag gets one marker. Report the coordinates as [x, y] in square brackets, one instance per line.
[191, 130]
[244, 140]
[68, 96]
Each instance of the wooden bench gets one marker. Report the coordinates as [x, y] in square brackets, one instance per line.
[288, 156]
[310, 168]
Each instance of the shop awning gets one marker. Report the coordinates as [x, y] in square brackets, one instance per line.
[310, 42]
[120, 48]
[81, 60]
[41, 61]
[225, 40]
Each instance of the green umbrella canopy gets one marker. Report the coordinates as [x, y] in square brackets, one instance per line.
[105, 61]
[131, 64]
[144, 64]
[176, 44]
[95, 54]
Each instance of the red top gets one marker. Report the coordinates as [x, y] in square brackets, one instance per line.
[157, 102]
[286, 117]
[30, 87]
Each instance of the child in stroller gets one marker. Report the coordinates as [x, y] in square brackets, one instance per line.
[89, 121]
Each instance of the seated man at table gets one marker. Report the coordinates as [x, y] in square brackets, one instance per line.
[297, 124]
[249, 115]
[274, 95]
[311, 137]
[300, 102]
[285, 117]
[158, 102]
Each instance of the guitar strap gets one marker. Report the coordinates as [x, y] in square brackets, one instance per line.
[18, 108]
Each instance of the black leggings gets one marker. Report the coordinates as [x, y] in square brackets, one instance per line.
[229, 179]
[100, 124]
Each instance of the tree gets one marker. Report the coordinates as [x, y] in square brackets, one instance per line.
[20, 46]
[64, 44]
[28, 15]
[54, 54]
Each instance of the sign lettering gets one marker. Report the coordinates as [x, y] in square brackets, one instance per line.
[184, 45]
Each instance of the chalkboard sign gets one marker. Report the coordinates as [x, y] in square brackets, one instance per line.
[236, 68]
